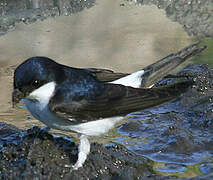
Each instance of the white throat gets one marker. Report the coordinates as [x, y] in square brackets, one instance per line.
[44, 93]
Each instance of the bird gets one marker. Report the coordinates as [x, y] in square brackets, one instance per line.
[91, 101]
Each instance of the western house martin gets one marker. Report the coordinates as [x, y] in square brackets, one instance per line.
[92, 101]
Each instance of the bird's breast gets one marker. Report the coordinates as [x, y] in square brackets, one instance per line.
[42, 113]
[91, 128]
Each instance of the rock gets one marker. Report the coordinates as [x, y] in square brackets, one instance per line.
[29, 11]
[36, 154]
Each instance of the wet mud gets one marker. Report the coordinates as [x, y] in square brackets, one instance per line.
[178, 133]
[36, 154]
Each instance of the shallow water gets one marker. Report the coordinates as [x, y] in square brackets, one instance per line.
[112, 34]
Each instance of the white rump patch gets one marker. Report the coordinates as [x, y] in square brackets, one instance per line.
[133, 80]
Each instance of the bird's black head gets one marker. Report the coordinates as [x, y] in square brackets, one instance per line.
[33, 73]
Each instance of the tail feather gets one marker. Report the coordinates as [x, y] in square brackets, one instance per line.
[161, 68]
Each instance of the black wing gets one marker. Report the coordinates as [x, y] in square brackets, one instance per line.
[106, 75]
[115, 100]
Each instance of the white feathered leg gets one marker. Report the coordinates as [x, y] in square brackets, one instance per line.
[84, 149]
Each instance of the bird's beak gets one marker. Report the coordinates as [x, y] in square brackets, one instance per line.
[17, 95]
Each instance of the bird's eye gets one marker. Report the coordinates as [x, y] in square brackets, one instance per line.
[35, 83]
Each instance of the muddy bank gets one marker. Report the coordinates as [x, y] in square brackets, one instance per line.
[36, 154]
[27, 11]
[195, 16]
[178, 131]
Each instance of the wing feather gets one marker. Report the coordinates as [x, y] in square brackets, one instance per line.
[106, 75]
[115, 100]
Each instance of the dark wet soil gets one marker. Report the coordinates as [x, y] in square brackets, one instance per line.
[184, 126]
[178, 132]
[36, 154]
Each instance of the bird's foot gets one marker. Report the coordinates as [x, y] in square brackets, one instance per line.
[74, 167]
[84, 149]
[77, 165]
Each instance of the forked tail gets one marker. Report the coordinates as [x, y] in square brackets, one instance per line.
[161, 68]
